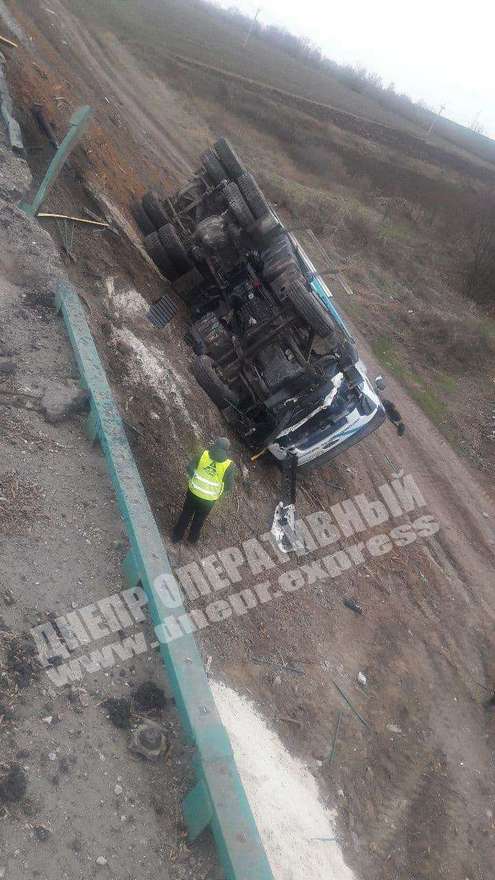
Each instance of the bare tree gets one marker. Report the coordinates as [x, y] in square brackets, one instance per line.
[479, 269]
[477, 126]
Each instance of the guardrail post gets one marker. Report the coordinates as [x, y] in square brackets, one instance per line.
[77, 127]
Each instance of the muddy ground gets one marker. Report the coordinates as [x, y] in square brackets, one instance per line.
[414, 790]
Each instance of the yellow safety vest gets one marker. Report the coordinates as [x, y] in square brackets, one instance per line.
[207, 480]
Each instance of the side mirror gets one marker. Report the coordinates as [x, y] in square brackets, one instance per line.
[379, 383]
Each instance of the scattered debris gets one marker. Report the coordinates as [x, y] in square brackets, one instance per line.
[8, 42]
[149, 740]
[284, 519]
[78, 696]
[8, 597]
[119, 711]
[350, 603]
[290, 720]
[22, 661]
[13, 785]
[356, 713]
[41, 832]
[148, 697]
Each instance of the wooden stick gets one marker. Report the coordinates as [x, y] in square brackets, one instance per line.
[75, 219]
[8, 42]
[258, 454]
[335, 737]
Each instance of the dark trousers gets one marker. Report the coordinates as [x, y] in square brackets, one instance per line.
[194, 513]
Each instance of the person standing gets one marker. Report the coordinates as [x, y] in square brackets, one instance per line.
[210, 475]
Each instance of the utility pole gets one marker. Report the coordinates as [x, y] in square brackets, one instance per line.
[251, 29]
[434, 121]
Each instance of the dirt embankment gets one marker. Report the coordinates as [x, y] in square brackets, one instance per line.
[414, 790]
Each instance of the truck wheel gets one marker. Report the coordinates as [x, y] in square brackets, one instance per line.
[156, 212]
[213, 167]
[266, 230]
[143, 222]
[237, 205]
[307, 306]
[174, 248]
[157, 253]
[208, 379]
[253, 195]
[229, 158]
[279, 265]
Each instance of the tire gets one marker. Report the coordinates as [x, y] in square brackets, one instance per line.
[279, 265]
[280, 284]
[207, 378]
[213, 167]
[308, 307]
[253, 195]
[157, 253]
[267, 230]
[279, 258]
[174, 248]
[237, 206]
[279, 243]
[143, 222]
[229, 158]
[154, 209]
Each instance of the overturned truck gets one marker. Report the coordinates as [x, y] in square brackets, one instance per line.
[272, 351]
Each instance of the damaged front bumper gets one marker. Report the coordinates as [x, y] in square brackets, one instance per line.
[315, 447]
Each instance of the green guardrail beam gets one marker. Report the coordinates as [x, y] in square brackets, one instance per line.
[77, 127]
[218, 800]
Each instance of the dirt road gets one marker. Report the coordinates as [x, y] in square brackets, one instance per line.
[414, 791]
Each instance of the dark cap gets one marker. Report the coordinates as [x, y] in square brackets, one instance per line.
[222, 443]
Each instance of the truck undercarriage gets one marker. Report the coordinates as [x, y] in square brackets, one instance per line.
[272, 351]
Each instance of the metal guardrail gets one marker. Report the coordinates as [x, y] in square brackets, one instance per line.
[218, 799]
